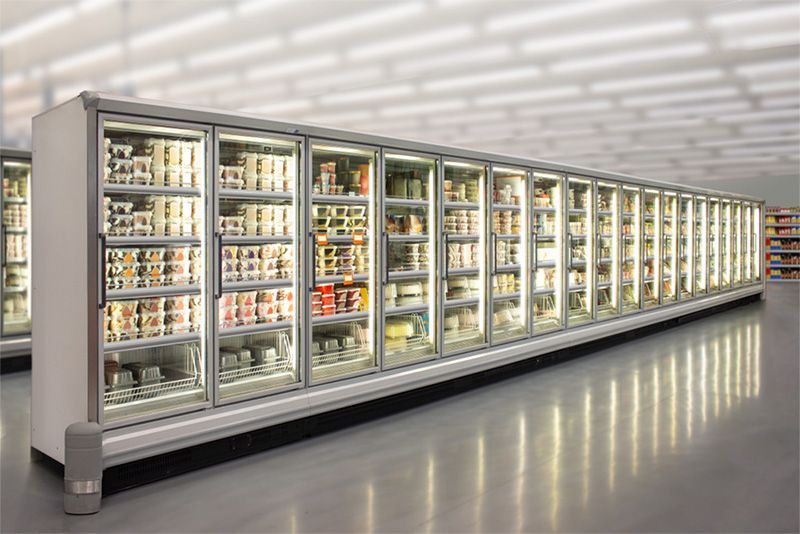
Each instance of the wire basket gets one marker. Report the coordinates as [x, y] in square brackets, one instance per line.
[282, 364]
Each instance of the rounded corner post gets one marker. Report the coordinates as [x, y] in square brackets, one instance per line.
[90, 99]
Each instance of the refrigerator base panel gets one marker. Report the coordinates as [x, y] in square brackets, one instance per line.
[146, 440]
[15, 346]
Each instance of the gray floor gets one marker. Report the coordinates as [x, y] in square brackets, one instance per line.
[692, 429]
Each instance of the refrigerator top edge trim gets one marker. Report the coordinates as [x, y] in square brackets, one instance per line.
[268, 135]
[16, 153]
[137, 106]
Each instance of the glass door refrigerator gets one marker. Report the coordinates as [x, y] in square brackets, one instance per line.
[701, 247]
[631, 249]
[606, 244]
[257, 272]
[651, 286]
[548, 252]
[343, 290]
[725, 244]
[669, 249]
[738, 242]
[465, 269]
[686, 246]
[509, 254]
[154, 296]
[580, 250]
[714, 245]
[747, 238]
[411, 258]
[757, 251]
[16, 314]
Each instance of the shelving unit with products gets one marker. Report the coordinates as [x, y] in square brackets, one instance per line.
[15, 316]
[782, 243]
[225, 275]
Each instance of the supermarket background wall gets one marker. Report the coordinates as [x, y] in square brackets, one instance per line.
[704, 93]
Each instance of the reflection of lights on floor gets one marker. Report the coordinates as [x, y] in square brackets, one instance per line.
[635, 423]
[587, 442]
[522, 454]
[612, 437]
[556, 475]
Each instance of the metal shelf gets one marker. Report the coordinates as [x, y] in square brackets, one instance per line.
[508, 268]
[463, 270]
[134, 240]
[347, 238]
[339, 278]
[603, 285]
[339, 199]
[244, 285]
[402, 310]
[147, 292]
[544, 209]
[417, 238]
[250, 329]
[548, 291]
[412, 202]
[255, 239]
[782, 266]
[542, 237]
[461, 205]
[605, 213]
[256, 195]
[573, 211]
[774, 251]
[580, 287]
[406, 275]
[782, 225]
[17, 261]
[16, 230]
[456, 303]
[15, 289]
[506, 207]
[15, 200]
[136, 189]
[339, 318]
[462, 237]
[546, 264]
[505, 296]
[150, 342]
[507, 236]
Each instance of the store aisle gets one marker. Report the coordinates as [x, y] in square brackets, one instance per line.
[691, 429]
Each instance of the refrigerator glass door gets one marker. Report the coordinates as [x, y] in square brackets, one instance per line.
[686, 246]
[154, 222]
[736, 249]
[257, 274]
[509, 316]
[580, 248]
[465, 273]
[631, 249]
[669, 249]
[757, 248]
[651, 288]
[700, 245]
[726, 244]
[714, 244]
[607, 262]
[410, 223]
[342, 242]
[16, 311]
[548, 252]
[747, 238]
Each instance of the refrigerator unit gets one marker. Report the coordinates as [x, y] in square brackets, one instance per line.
[15, 317]
[219, 273]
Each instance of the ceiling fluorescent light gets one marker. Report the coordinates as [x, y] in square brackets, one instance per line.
[88, 6]
[145, 74]
[527, 96]
[255, 6]
[781, 102]
[616, 35]
[758, 150]
[747, 141]
[230, 53]
[661, 125]
[85, 57]
[293, 66]
[321, 82]
[347, 117]
[392, 14]
[544, 16]
[12, 80]
[37, 25]
[762, 41]
[755, 16]
[470, 56]
[368, 95]
[479, 79]
[679, 96]
[172, 31]
[771, 128]
[758, 116]
[636, 56]
[410, 43]
[564, 109]
[702, 110]
[755, 70]
[422, 108]
[675, 78]
[776, 87]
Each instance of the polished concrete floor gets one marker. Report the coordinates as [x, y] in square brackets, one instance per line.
[694, 429]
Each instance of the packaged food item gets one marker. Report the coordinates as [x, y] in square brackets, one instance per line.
[122, 255]
[157, 206]
[122, 327]
[120, 207]
[249, 252]
[155, 148]
[230, 252]
[246, 315]
[178, 272]
[177, 322]
[178, 253]
[151, 324]
[152, 254]
[246, 298]
[177, 303]
[151, 305]
[123, 308]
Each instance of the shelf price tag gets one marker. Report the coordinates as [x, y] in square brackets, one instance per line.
[348, 279]
[358, 238]
[322, 239]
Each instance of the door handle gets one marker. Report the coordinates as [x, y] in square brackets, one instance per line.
[313, 240]
[569, 251]
[218, 235]
[494, 254]
[446, 270]
[385, 258]
[103, 267]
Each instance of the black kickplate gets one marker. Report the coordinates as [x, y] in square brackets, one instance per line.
[137, 473]
[13, 364]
